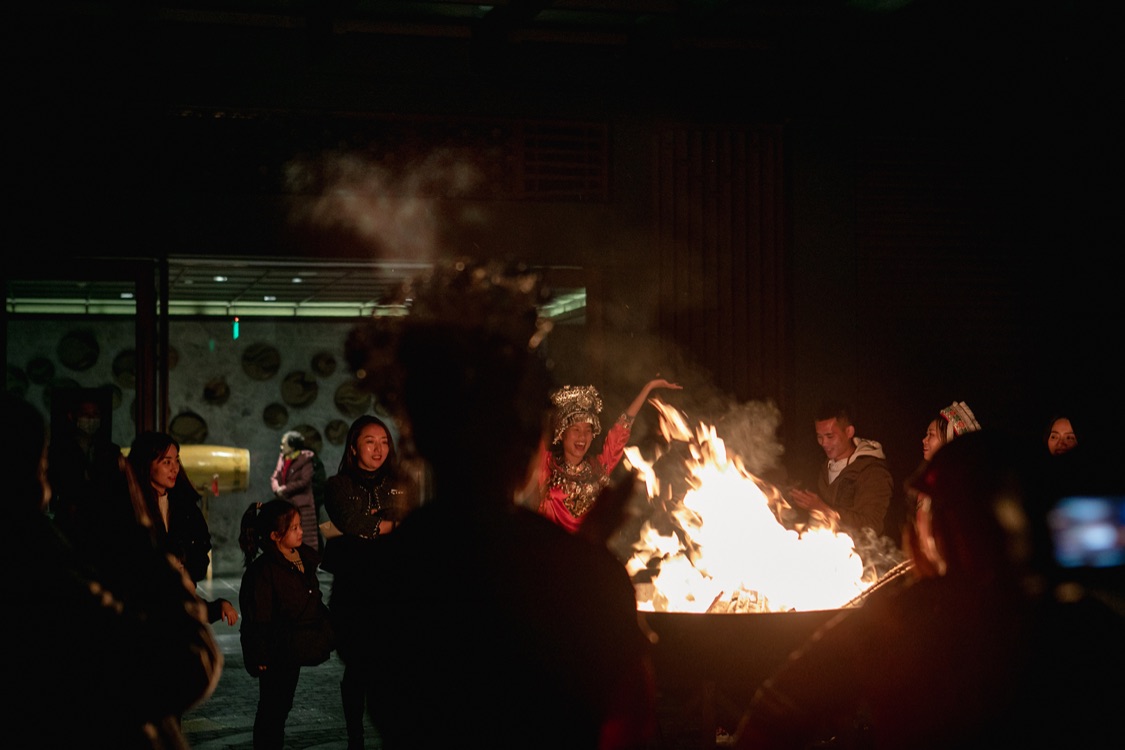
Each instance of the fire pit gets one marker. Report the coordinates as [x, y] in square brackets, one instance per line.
[729, 589]
[709, 665]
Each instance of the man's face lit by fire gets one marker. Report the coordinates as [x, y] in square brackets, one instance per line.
[835, 439]
[576, 441]
[371, 447]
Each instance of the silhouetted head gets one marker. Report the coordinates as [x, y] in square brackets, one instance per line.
[462, 374]
[984, 510]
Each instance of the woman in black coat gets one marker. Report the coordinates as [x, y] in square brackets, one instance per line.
[365, 500]
[172, 502]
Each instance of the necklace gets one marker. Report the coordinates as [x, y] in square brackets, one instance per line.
[578, 484]
[294, 559]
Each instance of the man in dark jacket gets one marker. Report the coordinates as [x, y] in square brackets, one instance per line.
[854, 486]
[491, 616]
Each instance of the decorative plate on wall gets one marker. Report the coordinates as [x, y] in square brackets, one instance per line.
[275, 416]
[336, 431]
[323, 364]
[216, 391]
[298, 389]
[125, 369]
[312, 437]
[261, 361]
[352, 400]
[40, 370]
[188, 428]
[78, 350]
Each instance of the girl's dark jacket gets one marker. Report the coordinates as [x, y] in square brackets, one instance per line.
[284, 617]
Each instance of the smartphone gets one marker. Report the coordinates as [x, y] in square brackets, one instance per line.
[1088, 531]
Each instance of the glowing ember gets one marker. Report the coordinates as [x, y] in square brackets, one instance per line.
[722, 546]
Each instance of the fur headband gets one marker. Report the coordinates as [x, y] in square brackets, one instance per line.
[959, 419]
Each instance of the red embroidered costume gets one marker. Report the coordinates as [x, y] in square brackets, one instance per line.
[567, 492]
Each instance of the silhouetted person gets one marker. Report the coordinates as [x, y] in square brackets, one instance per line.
[96, 666]
[496, 623]
[82, 457]
[992, 645]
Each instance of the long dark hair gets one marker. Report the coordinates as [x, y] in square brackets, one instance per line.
[148, 447]
[348, 463]
[260, 520]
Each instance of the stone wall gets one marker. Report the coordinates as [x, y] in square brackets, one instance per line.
[276, 376]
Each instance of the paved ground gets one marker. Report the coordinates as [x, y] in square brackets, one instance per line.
[226, 719]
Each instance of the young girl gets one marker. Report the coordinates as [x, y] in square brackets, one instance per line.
[284, 619]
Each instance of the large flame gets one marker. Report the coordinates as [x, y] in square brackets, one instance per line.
[722, 547]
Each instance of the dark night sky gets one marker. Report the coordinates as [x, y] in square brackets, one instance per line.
[1029, 87]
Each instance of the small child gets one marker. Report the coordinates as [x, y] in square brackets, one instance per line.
[285, 622]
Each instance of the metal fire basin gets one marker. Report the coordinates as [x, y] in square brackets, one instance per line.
[709, 665]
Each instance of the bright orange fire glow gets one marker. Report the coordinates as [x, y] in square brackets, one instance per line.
[722, 547]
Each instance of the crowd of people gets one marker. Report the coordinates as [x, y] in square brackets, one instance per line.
[990, 644]
[456, 604]
[131, 647]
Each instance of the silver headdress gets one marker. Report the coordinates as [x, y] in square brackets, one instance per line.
[574, 404]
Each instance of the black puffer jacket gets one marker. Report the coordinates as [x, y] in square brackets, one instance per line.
[284, 617]
[187, 537]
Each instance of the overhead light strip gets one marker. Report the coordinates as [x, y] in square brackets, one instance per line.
[557, 307]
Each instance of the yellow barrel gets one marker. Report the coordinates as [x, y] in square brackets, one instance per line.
[216, 466]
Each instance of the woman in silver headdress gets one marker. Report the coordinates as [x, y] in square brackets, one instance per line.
[569, 478]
